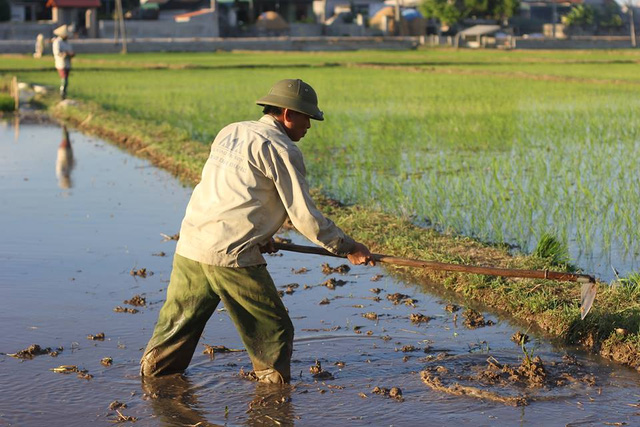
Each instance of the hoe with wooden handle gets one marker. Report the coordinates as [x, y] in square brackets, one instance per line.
[587, 291]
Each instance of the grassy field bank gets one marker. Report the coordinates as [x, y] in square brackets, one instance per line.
[500, 146]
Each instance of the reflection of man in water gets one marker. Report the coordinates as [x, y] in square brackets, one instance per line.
[64, 162]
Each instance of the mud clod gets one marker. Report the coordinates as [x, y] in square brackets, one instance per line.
[318, 373]
[371, 316]
[473, 319]
[141, 272]
[120, 309]
[35, 350]
[97, 337]
[333, 283]
[137, 301]
[452, 308]
[341, 269]
[117, 405]
[408, 348]
[397, 298]
[419, 318]
[166, 237]
[393, 393]
[124, 418]
[291, 287]
[211, 350]
[520, 338]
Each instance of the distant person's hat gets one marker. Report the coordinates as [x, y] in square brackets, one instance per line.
[61, 31]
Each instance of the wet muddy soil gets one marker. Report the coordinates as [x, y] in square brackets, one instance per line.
[369, 350]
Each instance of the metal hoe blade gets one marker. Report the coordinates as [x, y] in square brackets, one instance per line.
[587, 295]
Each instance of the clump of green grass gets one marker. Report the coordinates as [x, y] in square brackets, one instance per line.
[553, 250]
[7, 103]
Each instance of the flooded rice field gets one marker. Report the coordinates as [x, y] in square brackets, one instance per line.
[84, 263]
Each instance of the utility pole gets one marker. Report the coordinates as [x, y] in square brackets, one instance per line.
[120, 26]
[632, 26]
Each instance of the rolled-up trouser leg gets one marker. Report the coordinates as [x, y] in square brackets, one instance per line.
[253, 303]
[190, 303]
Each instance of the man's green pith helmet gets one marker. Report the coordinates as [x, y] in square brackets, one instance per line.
[295, 95]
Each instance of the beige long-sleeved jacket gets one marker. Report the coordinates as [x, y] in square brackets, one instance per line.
[61, 50]
[254, 178]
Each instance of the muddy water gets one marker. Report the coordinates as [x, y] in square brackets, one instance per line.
[73, 229]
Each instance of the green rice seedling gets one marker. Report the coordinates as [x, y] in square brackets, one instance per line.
[552, 249]
[7, 103]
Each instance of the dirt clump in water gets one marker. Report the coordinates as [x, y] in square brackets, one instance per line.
[120, 309]
[141, 272]
[318, 373]
[341, 269]
[419, 318]
[515, 382]
[393, 392]
[35, 350]
[137, 301]
[371, 315]
[473, 319]
[121, 418]
[117, 405]
[166, 237]
[97, 337]
[451, 308]
[333, 283]
[290, 288]
[211, 350]
[398, 298]
[520, 338]
[68, 369]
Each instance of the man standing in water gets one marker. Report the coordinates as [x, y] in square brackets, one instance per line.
[62, 54]
[254, 178]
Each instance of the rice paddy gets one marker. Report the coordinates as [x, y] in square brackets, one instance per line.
[504, 147]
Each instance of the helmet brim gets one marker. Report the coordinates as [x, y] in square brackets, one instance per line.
[294, 104]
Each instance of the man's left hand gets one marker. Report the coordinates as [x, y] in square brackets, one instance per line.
[269, 247]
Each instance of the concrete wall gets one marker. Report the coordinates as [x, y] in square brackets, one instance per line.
[613, 42]
[138, 29]
[213, 44]
[26, 30]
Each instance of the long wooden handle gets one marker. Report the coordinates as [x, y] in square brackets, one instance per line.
[491, 271]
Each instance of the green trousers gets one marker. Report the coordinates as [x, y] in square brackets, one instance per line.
[252, 301]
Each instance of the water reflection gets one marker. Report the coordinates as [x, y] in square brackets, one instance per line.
[174, 401]
[65, 161]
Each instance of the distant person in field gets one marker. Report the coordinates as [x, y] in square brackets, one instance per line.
[253, 180]
[39, 50]
[62, 54]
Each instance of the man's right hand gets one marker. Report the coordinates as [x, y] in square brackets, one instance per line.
[360, 255]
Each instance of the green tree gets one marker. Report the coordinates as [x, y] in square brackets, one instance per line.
[450, 12]
[445, 11]
[5, 10]
[580, 16]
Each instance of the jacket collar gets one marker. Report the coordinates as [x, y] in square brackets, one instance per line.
[270, 120]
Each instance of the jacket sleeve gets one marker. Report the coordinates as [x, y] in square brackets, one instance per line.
[286, 169]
